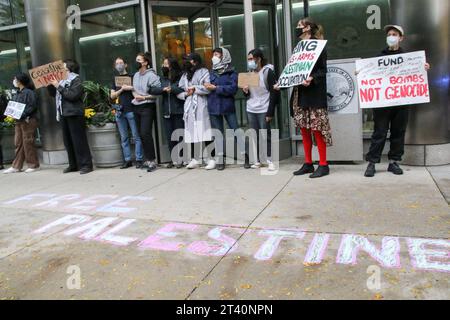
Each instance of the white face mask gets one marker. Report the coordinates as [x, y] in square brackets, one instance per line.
[15, 83]
[392, 41]
[216, 60]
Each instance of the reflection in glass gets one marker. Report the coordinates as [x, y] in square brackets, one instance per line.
[106, 36]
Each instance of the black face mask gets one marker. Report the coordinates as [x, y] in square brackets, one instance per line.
[138, 65]
[165, 71]
[298, 32]
[187, 66]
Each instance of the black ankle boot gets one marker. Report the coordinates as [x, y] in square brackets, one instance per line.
[126, 165]
[322, 171]
[307, 168]
[395, 169]
[370, 171]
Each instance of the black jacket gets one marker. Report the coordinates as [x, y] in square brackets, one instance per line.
[171, 104]
[27, 97]
[72, 98]
[387, 52]
[315, 95]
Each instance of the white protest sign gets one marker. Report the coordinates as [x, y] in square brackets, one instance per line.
[15, 110]
[301, 63]
[394, 80]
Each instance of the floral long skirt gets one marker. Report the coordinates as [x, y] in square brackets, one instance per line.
[315, 119]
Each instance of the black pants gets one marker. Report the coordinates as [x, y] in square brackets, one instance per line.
[396, 120]
[171, 124]
[145, 116]
[1, 155]
[76, 142]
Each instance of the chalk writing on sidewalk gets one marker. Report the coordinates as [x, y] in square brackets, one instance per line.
[215, 241]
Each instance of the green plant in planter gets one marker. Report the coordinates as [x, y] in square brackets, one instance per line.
[98, 106]
[5, 122]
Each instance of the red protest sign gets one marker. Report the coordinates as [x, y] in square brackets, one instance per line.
[395, 80]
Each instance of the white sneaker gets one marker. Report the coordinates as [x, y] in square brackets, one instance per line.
[31, 170]
[271, 166]
[194, 164]
[211, 165]
[257, 165]
[11, 170]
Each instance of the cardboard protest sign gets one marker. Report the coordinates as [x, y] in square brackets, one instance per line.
[123, 81]
[15, 110]
[250, 79]
[395, 80]
[43, 75]
[301, 63]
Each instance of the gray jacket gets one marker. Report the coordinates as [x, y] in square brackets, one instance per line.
[144, 83]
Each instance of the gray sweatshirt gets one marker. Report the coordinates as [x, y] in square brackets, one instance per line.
[143, 83]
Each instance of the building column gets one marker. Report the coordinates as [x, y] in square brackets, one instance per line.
[428, 135]
[248, 20]
[50, 40]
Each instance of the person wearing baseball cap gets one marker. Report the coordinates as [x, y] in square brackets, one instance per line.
[394, 119]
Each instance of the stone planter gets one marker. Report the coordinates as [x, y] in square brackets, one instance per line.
[8, 146]
[105, 145]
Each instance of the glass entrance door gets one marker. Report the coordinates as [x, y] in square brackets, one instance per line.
[177, 31]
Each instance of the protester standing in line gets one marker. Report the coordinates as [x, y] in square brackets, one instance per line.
[145, 81]
[70, 112]
[394, 119]
[221, 103]
[125, 116]
[196, 116]
[309, 106]
[25, 128]
[173, 108]
[261, 105]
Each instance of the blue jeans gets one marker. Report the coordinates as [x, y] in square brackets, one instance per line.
[218, 124]
[257, 122]
[124, 123]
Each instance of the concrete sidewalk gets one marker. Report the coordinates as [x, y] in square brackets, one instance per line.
[237, 234]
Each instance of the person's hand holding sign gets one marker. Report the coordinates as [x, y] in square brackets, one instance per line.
[127, 88]
[277, 87]
[55, 83]
[246, 89]
[307, 82]
[427, 66]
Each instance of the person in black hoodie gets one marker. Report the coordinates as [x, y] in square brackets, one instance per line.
[173, 108]
[25, 129]
[70, 112]
[393, 118]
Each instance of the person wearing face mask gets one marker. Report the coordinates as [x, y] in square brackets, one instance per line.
[173, 108]
[394, 119]
[309, 106]
[221, 104]
[70, 112]
[145, 82]
[261, 105]
[196, 116]
[25, 128]
[125, 117]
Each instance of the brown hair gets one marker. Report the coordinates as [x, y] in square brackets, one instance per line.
[147, 57]
[317, 30]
